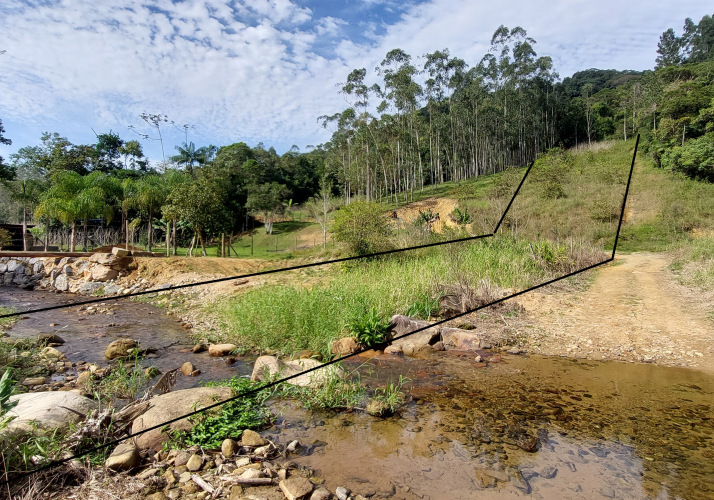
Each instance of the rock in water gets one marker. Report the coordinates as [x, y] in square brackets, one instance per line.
[172, 405]
[229, 448]
[221, 349]
[187, 368]
[342, 493]
[296, 488]
[48, 410]
[252, 438]
[119, 348]
[124, 457]
[321, 494]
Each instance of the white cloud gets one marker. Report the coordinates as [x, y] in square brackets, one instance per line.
[252, 70]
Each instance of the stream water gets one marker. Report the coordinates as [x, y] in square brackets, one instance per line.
[516, 426]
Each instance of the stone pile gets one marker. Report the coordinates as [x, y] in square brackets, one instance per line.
[83, 275]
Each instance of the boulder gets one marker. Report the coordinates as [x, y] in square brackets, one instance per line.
[194, 463]
[172, 405]
[38, 267]
[187, 368]
[393, 349]
[229, 447]
[61, 283]
[51, 353]
[51, 338]
[103, 273]
[13, 266]
[463, 340]
[344, 346]
[110, 260]
[48, 410]
[119, 348]
[120, 252]
[3, 267]
[124, 457]
[89, 288]
[252, 438]
[267, 367]
[113, 289]
[220, 349]
[321, 493]
[296, 488]
[402, 325]
[33, 381]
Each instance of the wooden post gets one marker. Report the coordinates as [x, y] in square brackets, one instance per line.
[223, 244]
[251, 245]
[127, 234]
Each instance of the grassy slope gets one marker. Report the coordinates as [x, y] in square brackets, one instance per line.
[541, 237]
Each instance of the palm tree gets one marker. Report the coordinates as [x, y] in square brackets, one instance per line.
[149, 194]
[188, 155]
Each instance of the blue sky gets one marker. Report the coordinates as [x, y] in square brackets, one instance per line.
[264, 70]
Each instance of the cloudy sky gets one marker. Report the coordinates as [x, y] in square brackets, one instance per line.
[264, 70]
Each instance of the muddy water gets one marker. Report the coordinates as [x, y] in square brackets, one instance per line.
[513, 427]
[596, 430]
[88, 333]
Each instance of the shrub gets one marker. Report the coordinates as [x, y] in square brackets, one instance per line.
[368, 326]
[695, 159]
[362, 226]
[425, 307]
[461, 217]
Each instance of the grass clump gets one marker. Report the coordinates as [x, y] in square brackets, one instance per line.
[230, 419]
[368, 326]
[125, 379]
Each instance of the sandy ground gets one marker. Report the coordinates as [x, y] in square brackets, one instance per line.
[634, 311]
[408, 213]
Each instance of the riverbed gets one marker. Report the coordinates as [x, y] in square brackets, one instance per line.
[515, 426]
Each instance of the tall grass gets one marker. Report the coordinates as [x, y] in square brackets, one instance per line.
[291, 318]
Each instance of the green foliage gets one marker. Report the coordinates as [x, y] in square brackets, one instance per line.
[462, 217]
[5, 238]
[6, 390]
[424, 307]
[334, 393]
[368, 326]
[392, 396]
[229, 420]
[695, 159]
[126, 378]
[362, 226]
[504, 185]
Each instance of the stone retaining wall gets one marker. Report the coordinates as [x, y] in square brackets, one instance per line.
[84, 275]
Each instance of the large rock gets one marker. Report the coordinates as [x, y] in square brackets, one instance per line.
[61, 283]
[252, 438]
[103, 273]
[13, 266]
[220, 349]
[463, 340]
[402, 325]
[119, 348]
[267, 367]
[345, 346]
[296, 487]
[172, 405]
[120, 252]
[48, 410]
[124, 457]
[89, 288]
[110, 260]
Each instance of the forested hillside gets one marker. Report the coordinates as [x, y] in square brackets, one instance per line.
[412, 122]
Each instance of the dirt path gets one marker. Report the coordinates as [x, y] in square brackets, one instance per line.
[634, 311]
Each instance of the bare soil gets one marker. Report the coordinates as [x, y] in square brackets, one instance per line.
[634, 311]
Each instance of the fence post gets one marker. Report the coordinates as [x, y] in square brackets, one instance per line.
[251, 245]
[223, 245]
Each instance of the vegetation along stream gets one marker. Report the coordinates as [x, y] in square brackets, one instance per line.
[543, 427]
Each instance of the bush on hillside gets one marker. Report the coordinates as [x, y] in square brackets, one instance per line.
[695, 159]
[363, 227]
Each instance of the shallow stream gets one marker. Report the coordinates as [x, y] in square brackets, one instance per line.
[531, 427]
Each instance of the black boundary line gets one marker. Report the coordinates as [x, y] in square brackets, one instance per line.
[273, 271]
[624, 200]
[274, 383]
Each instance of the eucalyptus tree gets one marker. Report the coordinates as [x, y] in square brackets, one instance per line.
[6, 172]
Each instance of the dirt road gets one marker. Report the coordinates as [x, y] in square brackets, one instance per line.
[634, 311]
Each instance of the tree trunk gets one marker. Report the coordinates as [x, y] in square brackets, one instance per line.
[150, 231]
[84, 245]
[168, 237]
[174, 237]
[200, 239]
[47, 232]
[71, 237]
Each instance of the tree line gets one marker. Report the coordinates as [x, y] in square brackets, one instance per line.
[424, 121]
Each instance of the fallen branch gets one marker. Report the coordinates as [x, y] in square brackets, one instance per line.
[250, 481]
[203, 484]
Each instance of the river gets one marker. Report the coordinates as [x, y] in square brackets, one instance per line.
[534, 427]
